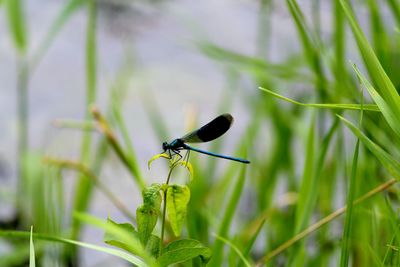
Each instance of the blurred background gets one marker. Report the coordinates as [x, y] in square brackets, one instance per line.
[157, 69]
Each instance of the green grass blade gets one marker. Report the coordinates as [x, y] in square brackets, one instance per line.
[307, 182]
[392, 166]
[310, 183]
[251, 242]
[367, 107]
[31, 250]
[339, 68]
[395, 8]
[258, 67]
[380, 40]
[236, 249]
[384, 86]
[129, 151]
[226, 221]
[84, 186]
[111, 251]
[55, 27]
[392, 118]
[311, 46]
[16, 20]
[346, 240]
[351, 195]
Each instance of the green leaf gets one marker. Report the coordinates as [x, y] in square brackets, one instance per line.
[184, 250]
[111, 239]
[122, 234]
[177, 200]
[152, 197]
[188, 167]
[147, 214]
[17, 23]
[162, 155]
[153, 246]
[31, 250]
[146, 221]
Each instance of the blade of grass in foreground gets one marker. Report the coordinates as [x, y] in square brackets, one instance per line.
[111, 251]
[31, 250]
[84, 186]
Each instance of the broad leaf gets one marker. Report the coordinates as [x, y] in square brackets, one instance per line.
[184, 250]
[147, 214]
[146, 217]
[152, 197]
[113, 240]
[177, 200]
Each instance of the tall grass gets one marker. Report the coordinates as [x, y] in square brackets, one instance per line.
[310, 163]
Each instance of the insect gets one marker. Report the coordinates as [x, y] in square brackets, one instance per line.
[208, 132]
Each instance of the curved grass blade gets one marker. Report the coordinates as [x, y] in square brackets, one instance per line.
[365, 107]
[162, 155]
[235, 248]
[70, 7]
[392, 166]
[384, 85]
[111, 251]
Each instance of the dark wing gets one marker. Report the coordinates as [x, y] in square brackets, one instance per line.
[210, 131]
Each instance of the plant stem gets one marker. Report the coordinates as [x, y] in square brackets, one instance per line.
[165, 210]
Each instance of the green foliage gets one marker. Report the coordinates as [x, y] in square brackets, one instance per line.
[113, 240]
[184, 250]
[177, 200]
[147, 214]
